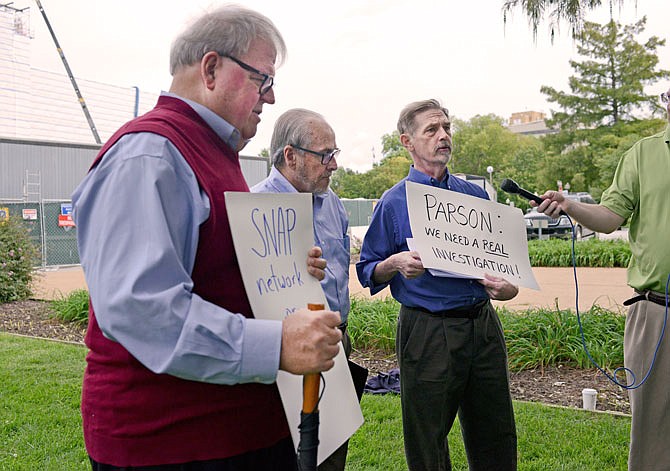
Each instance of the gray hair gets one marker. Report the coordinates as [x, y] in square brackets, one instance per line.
[406, 124]
[292, 128]
[229, 29]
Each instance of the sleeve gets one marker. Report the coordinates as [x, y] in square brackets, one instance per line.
[622, 196]
[379, 243]
[138, 216]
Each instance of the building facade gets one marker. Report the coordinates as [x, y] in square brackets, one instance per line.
[45, 136]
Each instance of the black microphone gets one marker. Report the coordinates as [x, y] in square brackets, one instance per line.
[510, 186]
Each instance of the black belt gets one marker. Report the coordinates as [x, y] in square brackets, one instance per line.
[466, 312]
[646, 296]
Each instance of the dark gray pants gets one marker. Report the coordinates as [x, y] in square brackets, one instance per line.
[450, 366]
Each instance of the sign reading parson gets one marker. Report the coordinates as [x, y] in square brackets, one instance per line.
[468, 236]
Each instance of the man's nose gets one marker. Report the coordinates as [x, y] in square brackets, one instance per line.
[332, 165]
[269, 96]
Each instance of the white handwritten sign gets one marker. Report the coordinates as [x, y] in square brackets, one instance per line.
[272, 234]
[468, 235]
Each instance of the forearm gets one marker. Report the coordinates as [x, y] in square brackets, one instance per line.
[594, 216]
[384, 271]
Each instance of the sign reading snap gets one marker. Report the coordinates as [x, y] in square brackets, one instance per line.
[469, 236]
[272, 234]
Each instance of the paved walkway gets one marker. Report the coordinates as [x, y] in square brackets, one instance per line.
[603, 286]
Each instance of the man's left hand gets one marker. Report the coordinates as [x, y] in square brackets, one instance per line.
[498, 288]
[316, 266]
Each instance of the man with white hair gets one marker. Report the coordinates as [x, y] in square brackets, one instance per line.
[180, 375]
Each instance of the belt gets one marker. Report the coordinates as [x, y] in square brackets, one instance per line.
[652, 296]
[466, 312]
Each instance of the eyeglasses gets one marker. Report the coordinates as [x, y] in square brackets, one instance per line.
[665, 99]
[267, 81]
[326, 157]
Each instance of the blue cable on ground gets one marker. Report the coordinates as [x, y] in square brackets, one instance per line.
[623, 369]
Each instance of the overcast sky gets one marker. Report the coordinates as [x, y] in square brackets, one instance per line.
[357, 62]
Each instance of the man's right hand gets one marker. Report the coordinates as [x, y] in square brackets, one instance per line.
[553, 203]
[310, 341]
[408, 264]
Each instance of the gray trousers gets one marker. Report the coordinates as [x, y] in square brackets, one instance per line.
[450, 366]
[650, 403]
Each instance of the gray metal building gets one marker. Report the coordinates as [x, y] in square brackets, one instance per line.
[42, 170]
[37, 179]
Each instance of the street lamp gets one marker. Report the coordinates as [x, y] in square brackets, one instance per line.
[489, 169]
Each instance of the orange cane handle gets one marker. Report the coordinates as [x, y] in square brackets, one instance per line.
[311, 382]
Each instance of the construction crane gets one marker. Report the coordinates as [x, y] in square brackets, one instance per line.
[69, 74]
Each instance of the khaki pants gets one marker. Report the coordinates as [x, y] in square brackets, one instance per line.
[650, 403]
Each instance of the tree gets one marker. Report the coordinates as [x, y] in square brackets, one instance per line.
[587, 158]
[480, 142]
[393, 167]
[614, 141]
[572, 11]
[347, 183]
[609, 87]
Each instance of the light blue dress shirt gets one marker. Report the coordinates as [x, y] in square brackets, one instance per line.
[138, 215]
[331, 224]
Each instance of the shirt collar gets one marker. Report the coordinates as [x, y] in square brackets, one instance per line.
[282, 185]
[420, 177]
[226, 131]
[279, 182]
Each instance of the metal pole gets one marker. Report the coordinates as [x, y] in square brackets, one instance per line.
[69, 74]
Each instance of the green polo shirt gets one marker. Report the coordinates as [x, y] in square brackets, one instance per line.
[641, 191]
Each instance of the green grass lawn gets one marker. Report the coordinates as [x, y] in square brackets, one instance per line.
[40, 424]
[40, 389]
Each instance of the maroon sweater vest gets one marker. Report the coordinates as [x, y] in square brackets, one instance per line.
[133, 417]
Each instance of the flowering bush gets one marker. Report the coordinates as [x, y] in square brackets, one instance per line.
[17, 254]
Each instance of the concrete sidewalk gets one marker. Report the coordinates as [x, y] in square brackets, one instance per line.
[54, 283]
[605, 287]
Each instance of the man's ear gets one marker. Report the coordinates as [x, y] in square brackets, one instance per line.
[208, 68]
[290, 156]
[406, 142]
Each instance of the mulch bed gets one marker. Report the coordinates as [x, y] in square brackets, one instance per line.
[561, 386]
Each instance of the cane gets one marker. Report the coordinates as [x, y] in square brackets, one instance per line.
[309, 417]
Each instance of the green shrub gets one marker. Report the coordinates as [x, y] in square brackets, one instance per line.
[72, 308]
[535, 338]
[541, 337]
[16, 261]
[588, 253]
[372, 323]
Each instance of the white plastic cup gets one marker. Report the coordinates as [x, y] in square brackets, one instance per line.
[589, 398]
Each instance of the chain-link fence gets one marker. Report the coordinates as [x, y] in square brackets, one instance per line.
[50, 228]
[53, 232]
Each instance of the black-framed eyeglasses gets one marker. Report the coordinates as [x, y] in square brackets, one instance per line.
[267, 81]
[326, 157]
[665, 98]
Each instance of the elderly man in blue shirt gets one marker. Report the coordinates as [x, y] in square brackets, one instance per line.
[304, 152]
[450, 345]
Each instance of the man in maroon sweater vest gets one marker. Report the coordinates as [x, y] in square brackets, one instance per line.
[179, 374]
